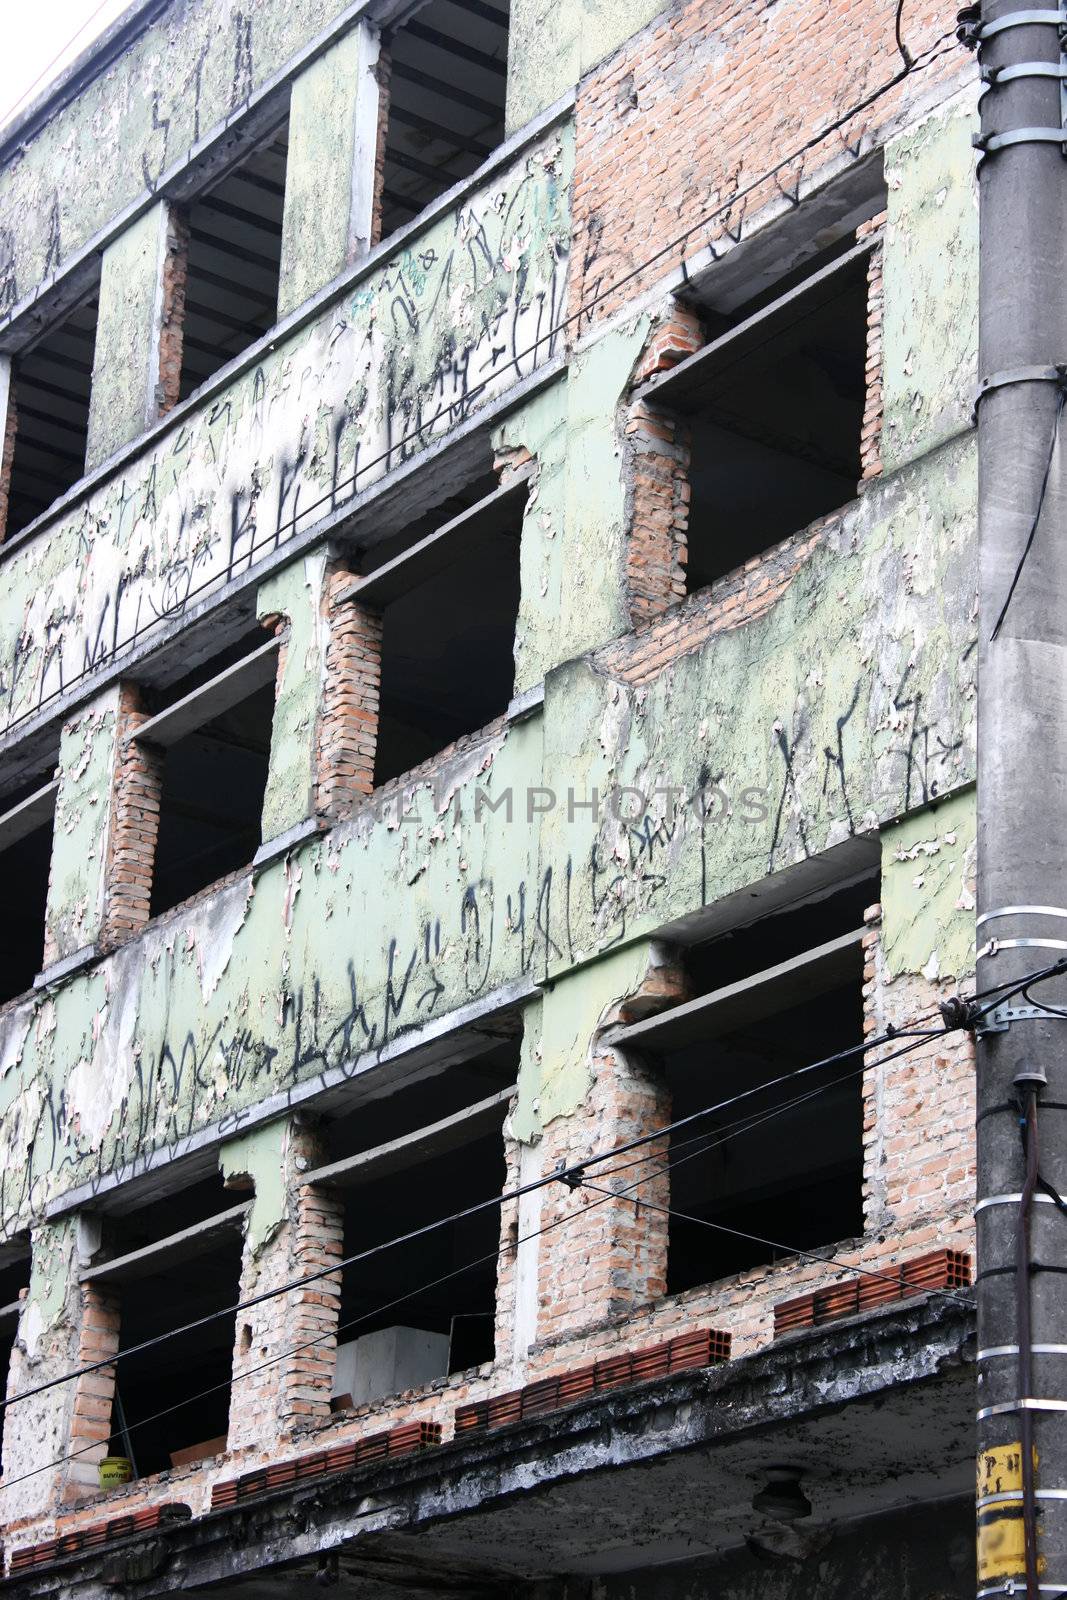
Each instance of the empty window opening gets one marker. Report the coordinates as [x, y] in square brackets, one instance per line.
[446, 101]
[214, 744]
[170, 1264]
[774, 408]
[440, 1138]
[26, 820]
[235, 245]
[776, 996]
[51, 383]
[449, 605]
[14, 1281]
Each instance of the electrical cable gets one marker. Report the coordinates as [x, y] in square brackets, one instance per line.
[496, 1200]
[905, 53]
[942, 46]
[561, 1221]
[1060, 398]
[566, 1174]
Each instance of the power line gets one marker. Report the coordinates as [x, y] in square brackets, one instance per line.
[563, 1174]
[571, 1175]
[721, 1137]
[1035, 522]
[941, 47]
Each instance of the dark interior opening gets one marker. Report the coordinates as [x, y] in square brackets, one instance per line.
[25, 864]
[211, 806]
[14, 1278]
[427, 1100]
[448, 663]
[784, 1168]
[776, 435]
[52, 381]
[176, 1372]
[235, 247]
[443, 1324]
[446, 103]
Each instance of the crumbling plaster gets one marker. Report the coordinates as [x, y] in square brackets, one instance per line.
[553, 43]
[87, 754]
[295, 594]
[187, 74]
[930, 327]
[928, 883]
[574, 527]
[841, 709]
[126, 350]
[406, 353]
[845, 706]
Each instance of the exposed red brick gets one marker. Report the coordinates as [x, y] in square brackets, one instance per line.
[172, 311]
[348, 717]
[136, 794]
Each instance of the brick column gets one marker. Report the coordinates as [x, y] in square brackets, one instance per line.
[871, 438]
[315, 1310]
[94, 1392]
[659, 459]
[304, 1235]
[172, 311]
[608, 1257]
[918, 1115]
[348, 717]
[135, 802]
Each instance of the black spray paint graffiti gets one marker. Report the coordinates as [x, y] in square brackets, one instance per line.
[190, 547]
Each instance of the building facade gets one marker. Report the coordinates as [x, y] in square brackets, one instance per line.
[487, 651]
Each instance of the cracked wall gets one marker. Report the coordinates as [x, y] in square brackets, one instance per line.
[179, 82]
[406, 353]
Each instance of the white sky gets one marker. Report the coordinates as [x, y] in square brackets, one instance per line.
[39, 38]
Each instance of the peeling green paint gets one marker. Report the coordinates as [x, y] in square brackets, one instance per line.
[51, 1271]
[192, 69]
[554, 43]
[380, 926]
[930, 276]
[257, 1161]
[928, 867]
[393, 363]
[82, 821]
[333, 129]
[296, 594]
[557, 1068]
[123, 395]
[574, 530]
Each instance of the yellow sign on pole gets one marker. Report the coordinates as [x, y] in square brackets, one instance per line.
[1001, 1531]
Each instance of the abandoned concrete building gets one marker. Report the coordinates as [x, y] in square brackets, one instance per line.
[487, 652]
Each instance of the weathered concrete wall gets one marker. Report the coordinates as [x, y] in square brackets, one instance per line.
[931, 308]
[399, 359]
[926, 1553]
[77, 882]
[186, 75]
[123, 401]
[330, 171]
[552, 45]
[838, 711]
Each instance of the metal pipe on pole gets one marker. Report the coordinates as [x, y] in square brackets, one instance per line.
[1022, 798]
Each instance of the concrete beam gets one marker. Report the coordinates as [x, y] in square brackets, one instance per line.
[876, 1410]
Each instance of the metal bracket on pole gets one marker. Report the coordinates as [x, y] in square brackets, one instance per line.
[993, 77]
[1001, 1018]
[1021, 19]
[1004, 380]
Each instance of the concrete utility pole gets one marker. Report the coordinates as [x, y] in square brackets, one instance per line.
[1022, 800]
